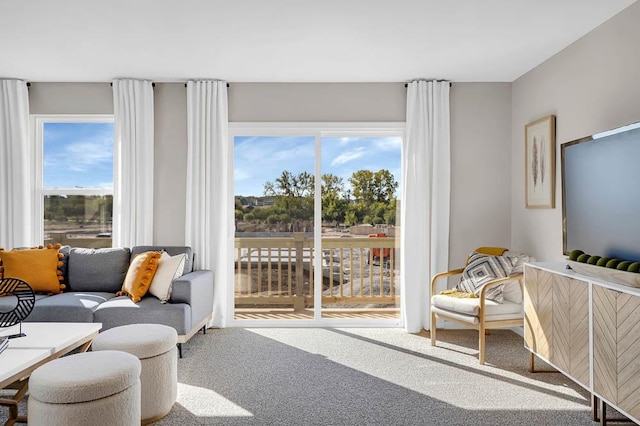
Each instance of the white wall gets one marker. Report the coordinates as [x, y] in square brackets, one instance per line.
[591, 86]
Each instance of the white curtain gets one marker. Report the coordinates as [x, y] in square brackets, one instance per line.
[15, 168]
[208, 229]
[425, 197]
[133, 165]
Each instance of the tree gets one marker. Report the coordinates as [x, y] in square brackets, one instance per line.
[362, 183]
[293, 194]
[369, 187]
[290, 185]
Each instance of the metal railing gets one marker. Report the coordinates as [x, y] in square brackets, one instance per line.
[280, 271]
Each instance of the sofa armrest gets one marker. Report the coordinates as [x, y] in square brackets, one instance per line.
[195, 289]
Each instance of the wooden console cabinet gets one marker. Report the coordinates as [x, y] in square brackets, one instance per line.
[588, 329]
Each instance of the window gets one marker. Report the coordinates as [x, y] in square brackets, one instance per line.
[74, 180]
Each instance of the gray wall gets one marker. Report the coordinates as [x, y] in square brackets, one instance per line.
[591, 86]
[480, 168]
[70, 98]
[319, 102]
[170, 180]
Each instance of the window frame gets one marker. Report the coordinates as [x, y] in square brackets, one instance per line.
[37, 147]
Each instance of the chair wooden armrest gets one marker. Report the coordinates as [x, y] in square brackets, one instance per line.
[436, 277]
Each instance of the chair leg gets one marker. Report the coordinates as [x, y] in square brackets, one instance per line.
[481, 343]
[432, 330]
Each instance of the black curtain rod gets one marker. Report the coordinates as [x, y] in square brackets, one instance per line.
[152, 84]
[185, 85]
[407, 84]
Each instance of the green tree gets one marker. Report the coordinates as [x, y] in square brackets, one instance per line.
[293, 194]
[369, 187]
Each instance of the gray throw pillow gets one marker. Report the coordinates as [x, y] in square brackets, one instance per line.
[482, 268]
[97, 269]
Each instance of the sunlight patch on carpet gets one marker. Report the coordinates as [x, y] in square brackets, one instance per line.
[203, 402]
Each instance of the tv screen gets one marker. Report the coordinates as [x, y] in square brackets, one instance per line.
[601, 194]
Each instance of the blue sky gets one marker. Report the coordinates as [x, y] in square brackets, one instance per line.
[258, 159]
[81, 155]
[78, 155]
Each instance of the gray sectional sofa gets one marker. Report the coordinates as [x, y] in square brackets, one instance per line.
[94, 276]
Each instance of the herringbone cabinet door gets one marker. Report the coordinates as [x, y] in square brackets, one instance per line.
[628, 356]
[538, 311]
[579, 337]
[605, 371]
[570, 349]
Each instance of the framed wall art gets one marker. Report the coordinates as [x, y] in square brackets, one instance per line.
[540, 163]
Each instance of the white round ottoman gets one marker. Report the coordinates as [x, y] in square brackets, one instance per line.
[155, 346]
[92, 388]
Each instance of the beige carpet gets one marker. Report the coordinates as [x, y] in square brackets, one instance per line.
[366, 377]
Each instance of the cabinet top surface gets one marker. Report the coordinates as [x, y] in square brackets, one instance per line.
[561, 268]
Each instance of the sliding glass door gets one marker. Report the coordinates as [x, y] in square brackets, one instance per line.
[316, 231]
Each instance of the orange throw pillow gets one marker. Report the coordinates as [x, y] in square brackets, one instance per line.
[37, 267]
[139, 275]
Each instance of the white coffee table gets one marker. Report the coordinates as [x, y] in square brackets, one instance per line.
[43, 342]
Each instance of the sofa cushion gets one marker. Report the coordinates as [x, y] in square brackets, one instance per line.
[97, 269]
[140, 274]
[169, 268]
[38, 267]
[470, 307]
[123, 311]
[172, 251]
[67, 307]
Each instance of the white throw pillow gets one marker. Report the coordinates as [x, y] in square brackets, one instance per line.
[169, 268]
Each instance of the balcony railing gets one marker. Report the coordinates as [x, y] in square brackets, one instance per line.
[280, 271]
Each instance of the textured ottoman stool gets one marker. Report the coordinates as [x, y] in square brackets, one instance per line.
[91, 388]
[155, 346]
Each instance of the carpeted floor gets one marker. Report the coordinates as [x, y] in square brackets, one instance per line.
[302, 376]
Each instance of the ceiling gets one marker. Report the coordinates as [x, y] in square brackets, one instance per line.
[289, 40]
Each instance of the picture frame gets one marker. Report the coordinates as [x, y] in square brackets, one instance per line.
[540, 163]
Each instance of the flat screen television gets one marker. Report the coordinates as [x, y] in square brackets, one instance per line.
[601, 194]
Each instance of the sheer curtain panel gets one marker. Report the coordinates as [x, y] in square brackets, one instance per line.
[425, 195]
[133, 174]
[16, 194]
[209, 201]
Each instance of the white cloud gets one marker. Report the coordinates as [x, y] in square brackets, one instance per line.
[347, 156]
[240, 174]
[388, 144]
[345, 140]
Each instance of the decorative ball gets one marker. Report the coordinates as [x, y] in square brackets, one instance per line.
[583, 258]
[613, 263]
[574, 254]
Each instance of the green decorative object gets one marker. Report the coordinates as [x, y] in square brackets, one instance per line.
[603, 261]
[593, 260]
[634, 267]
[613, 263]
[583, 258]
[623, 266]
[574, 254]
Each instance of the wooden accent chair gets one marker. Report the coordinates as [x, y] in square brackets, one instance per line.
[478, 313]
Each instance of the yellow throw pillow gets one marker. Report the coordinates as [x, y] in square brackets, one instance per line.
[139, 275]
[37, 267]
